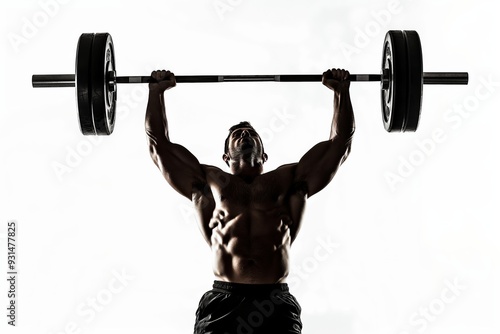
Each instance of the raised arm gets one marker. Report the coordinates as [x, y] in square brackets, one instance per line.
[318, 166]
[179, 167]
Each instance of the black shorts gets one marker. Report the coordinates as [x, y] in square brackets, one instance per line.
[235, 308]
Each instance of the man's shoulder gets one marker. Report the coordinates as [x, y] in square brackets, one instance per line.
[213, 172]
[288, 169]
[210, 168]
[286, 174]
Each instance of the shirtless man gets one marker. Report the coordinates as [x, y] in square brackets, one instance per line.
[249, 219]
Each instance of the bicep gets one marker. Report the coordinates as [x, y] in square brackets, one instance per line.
[178, 166]
[318, 166]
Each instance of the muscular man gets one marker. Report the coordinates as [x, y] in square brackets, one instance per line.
[249, 219]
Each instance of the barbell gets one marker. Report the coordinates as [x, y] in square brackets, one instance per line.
[401, 81]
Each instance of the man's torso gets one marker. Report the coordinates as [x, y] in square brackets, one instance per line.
[250, 225]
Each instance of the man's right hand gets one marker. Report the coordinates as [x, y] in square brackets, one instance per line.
[337, 80]
[163, 80]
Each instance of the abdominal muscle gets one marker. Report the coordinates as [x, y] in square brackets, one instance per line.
[251, 247]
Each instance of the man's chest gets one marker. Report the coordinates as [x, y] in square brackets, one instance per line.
[271, 189]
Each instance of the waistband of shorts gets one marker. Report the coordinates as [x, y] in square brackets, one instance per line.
[250, 289]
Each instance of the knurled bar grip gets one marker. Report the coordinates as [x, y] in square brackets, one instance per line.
[429, 78]
[246, 78]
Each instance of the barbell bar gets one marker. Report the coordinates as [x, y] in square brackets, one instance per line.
[68, 80]
[401, 79]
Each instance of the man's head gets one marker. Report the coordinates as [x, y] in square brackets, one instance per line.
[244, 143]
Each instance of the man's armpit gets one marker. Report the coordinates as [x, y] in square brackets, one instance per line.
[299, 187]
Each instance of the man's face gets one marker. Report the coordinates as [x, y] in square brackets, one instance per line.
[245, 143]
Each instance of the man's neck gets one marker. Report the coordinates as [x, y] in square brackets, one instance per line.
[247, 170]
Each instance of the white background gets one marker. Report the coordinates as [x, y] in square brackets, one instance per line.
[407, 216]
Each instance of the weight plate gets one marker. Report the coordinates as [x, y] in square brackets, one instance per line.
[83, 83]
[103, 98]
[415, 80]
[394, 97]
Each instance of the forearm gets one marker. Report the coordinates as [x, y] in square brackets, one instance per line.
[156, 119]
[343, 125]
